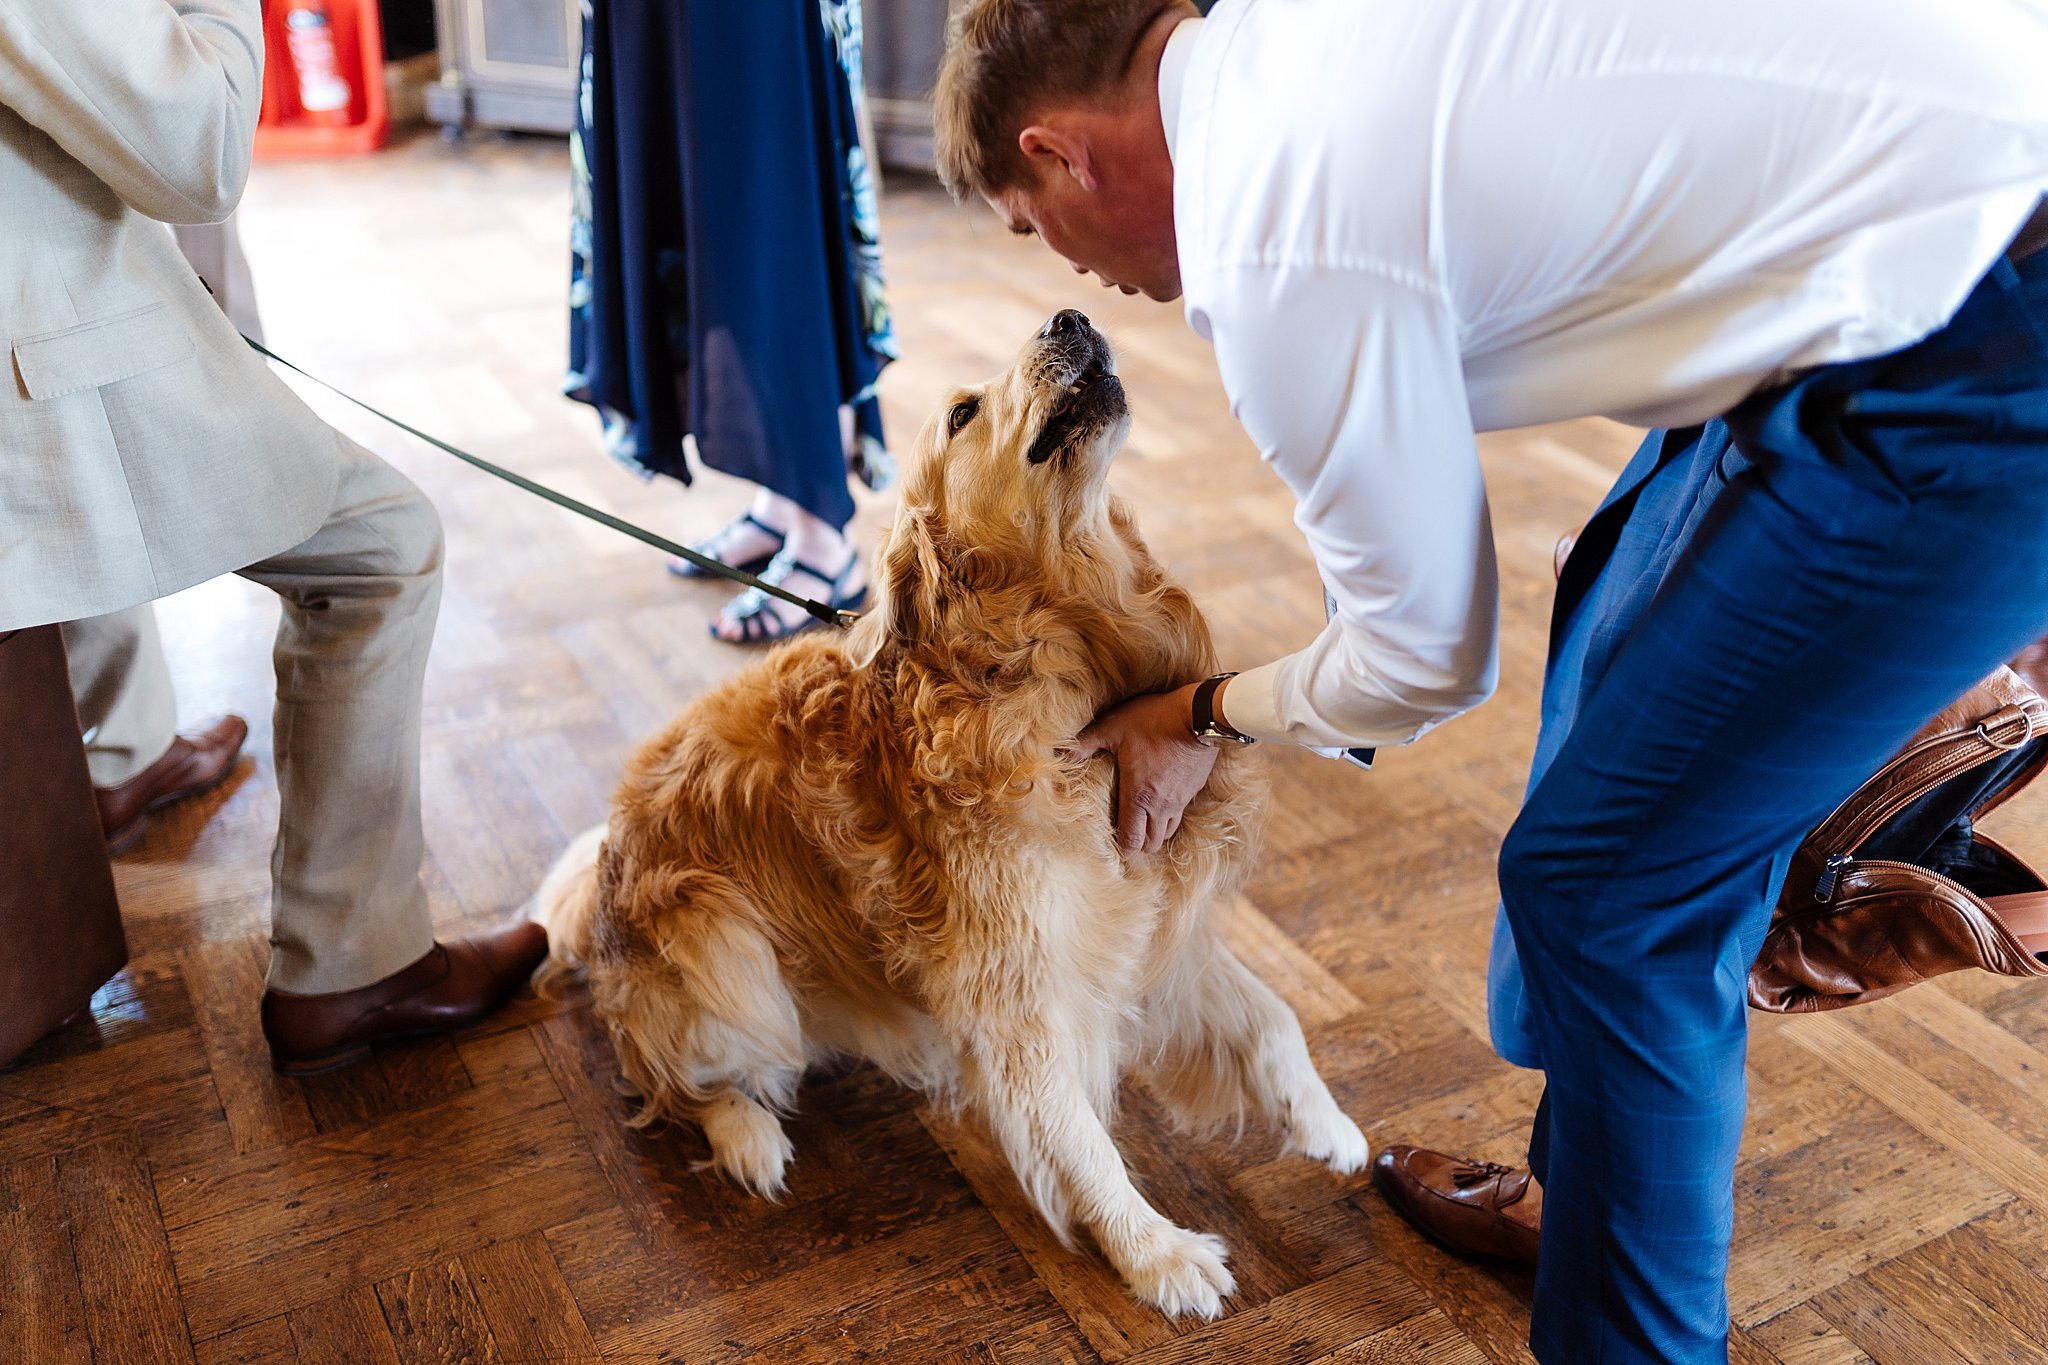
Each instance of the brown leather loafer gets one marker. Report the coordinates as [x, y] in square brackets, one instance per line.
[454, 984]
[1460, 1205]
[193, 764]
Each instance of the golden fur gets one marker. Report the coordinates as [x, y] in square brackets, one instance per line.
[871, 844]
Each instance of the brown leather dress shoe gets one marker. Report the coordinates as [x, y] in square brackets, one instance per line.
[193, 764]
[1460, 1205]
[454, 984]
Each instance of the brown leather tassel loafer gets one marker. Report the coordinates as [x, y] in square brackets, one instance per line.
[1471, 1208]
[454, 984]
[194, 763]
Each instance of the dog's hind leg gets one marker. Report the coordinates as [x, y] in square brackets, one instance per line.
[1228, 1048]
[706, 1029]
[747, 1142]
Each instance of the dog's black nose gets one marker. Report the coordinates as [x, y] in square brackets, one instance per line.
[1066, 320]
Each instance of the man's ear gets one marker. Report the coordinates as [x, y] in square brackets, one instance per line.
[1046, 143]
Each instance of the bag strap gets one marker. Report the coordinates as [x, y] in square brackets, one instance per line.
[2000, 714]
[2025, 914]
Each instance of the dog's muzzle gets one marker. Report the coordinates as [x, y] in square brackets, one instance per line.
[1078, 360]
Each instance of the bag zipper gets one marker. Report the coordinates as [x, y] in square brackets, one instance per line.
[1881, 863]
[1914, 868]
[1830, 872]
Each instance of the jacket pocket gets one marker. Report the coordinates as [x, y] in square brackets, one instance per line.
[95, 354]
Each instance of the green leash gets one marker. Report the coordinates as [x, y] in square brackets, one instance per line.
[822, 611]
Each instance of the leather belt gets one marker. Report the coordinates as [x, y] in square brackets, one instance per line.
[2032, 237]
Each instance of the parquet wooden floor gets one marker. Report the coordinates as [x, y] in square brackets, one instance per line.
[165, 1198]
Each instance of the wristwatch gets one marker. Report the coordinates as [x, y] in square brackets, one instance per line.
[1209, 727]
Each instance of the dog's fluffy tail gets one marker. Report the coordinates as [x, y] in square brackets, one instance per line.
[566, 905]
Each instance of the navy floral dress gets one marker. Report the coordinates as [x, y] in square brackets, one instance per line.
[726, 280]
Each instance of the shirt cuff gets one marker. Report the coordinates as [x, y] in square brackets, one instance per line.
[1251, 704]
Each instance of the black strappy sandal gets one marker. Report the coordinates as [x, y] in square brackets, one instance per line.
[708, 547]
[760, 624]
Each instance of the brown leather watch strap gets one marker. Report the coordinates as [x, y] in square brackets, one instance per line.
[1203, 721]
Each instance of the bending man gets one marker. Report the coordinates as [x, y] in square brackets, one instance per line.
[1804, 242]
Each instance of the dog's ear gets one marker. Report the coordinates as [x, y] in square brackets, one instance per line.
[902, 603]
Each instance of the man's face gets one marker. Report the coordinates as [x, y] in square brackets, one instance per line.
[1115, 230]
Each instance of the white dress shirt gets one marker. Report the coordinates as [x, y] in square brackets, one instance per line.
[1404, 221]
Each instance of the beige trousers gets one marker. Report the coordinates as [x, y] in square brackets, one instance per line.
[126, 707]
[360, 600]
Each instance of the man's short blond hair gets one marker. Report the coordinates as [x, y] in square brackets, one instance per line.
[1009, 60]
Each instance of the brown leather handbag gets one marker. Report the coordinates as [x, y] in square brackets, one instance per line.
[1898, 885]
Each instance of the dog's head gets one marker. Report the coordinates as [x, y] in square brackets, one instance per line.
[1026, 451]
[1004, 496]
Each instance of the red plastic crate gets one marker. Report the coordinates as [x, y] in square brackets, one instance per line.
[283, 129]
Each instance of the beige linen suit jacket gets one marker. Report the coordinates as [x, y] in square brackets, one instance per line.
[143, 446]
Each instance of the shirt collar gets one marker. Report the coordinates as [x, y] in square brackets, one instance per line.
[1173, 70]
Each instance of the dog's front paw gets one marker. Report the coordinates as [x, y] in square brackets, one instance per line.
[1182, 1272]
[1333, 1139]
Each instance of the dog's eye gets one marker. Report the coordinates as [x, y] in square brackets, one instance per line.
[963, 412]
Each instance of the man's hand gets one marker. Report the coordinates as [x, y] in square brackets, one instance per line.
[1160, 765]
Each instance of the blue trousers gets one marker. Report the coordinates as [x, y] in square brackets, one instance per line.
[1765, 609]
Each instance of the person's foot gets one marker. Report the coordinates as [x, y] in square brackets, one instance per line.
[754, 617]
[193, 764]
[454, 984]
[1472, 1208]
[746, 544]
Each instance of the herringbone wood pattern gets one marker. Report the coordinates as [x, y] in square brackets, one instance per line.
[164, 1197]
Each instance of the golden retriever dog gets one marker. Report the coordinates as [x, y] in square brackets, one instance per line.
[871, 844]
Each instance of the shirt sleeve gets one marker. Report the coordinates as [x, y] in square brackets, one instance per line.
[1351, 384]
[158, 98]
